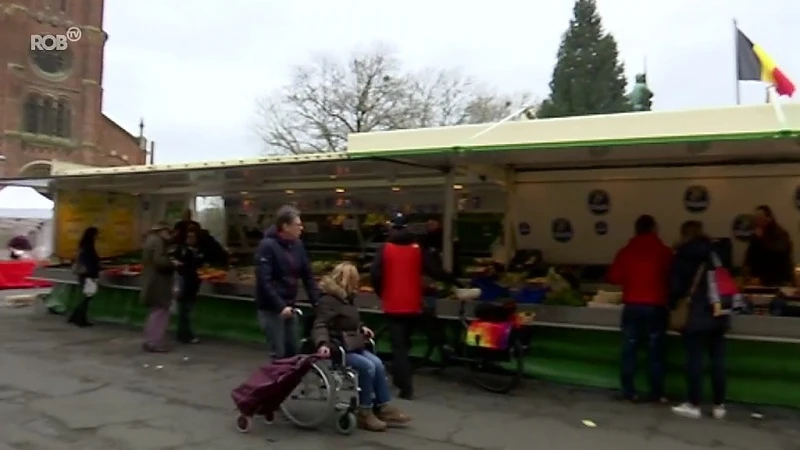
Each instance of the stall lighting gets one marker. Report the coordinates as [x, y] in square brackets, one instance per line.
[458, 187]
[332, 177]
[395, 189]
[244, 192]
[289, 192]
[339, 191]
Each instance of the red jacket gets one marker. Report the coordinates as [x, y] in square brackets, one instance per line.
[401, 278]
[642, 269]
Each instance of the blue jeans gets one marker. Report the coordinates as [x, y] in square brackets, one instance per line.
[371, 378]
[648, 323]
[281, 334]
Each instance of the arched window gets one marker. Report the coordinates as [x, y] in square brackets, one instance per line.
[48, 115]
[32, 114]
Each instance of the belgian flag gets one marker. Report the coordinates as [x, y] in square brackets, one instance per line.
[754, 64]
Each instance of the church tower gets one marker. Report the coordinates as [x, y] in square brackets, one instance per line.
[51, 98]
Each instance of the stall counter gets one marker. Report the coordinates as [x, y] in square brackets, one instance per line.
[570, 344]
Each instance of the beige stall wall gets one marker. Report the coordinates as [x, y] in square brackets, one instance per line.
[659, 192]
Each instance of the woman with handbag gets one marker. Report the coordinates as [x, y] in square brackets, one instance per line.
[87, 268]
[693, 315]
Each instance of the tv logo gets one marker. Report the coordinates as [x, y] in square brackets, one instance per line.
[55, 42]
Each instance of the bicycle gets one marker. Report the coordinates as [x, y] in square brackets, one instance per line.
[509, 364]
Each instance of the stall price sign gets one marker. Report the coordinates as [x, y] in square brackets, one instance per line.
[115, 216]
[599, 202]
[562, 230]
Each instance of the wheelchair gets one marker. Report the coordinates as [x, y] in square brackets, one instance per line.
[332, 385]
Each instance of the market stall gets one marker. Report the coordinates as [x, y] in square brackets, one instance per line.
[562, 193]
[26, 219]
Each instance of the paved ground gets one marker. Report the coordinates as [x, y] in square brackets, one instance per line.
[65, 388]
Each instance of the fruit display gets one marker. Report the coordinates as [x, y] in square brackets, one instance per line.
[212, 275]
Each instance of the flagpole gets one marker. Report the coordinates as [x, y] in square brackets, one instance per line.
[736, 61]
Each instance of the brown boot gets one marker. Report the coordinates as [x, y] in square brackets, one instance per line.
[369, 422]
[392, 416]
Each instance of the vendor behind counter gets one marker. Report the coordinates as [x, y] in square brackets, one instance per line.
[769, 257]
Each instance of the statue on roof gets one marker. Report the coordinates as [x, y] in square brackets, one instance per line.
[641, 96]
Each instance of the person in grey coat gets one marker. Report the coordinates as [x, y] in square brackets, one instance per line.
[157, 282]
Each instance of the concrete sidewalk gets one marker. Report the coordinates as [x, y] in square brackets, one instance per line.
[67, 388]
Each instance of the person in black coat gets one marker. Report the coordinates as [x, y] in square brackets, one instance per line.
[704, 333]
[86, 267]
[192, 259]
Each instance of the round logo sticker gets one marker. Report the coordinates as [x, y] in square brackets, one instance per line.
[601, 228]
[599, 202]
[562, 230]
[524, 228]
[696, 199]
[742, 226]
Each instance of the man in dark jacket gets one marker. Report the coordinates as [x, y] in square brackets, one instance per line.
[396, 273]
[281, 263]
[642, 269]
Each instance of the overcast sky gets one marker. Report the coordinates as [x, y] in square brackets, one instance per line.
[195, 68]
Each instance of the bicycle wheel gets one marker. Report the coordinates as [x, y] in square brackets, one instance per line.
[418, 359]
[499, 376]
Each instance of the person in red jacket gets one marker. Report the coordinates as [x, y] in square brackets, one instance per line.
[396, 275]
[642, 269]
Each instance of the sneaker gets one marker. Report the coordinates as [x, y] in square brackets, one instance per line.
[687, 410]
[719, 412]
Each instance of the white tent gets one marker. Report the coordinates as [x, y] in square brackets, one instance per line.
[25, 212]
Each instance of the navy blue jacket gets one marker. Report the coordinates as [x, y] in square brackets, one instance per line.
[685, 265]
[280, 265]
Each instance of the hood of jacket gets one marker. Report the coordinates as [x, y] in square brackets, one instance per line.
[400, 236]
[695, 250]
[330, 287]
[272, 233]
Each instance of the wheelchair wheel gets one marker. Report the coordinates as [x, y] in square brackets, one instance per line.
[417, 362]
[314, 401]
[243, 423]
[499, 376]
[346, 423]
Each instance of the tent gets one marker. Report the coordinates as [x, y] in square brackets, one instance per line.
[25, 212]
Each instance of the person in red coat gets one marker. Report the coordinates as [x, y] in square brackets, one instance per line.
[396, 275]
[641, 268]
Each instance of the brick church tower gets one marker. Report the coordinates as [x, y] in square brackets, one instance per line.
[51, 100]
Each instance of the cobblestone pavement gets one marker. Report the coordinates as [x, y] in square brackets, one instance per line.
[66, 388]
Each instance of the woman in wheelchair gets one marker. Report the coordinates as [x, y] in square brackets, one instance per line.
[338, 324]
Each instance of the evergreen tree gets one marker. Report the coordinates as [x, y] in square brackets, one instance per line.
[588, 77]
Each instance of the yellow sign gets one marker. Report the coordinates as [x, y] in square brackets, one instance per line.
[114, 215]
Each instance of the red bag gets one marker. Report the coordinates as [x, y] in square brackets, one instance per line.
[725, 284]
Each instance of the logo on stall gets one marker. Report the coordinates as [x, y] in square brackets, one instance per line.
[696, 199]
[742, 226]
[562, 230]
[524, 228]
[601, 228]
[599, 202]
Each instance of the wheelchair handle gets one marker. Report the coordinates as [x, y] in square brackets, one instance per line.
[297, 312]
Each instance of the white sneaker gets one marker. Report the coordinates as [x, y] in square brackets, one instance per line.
[719, 412]
[687, 410]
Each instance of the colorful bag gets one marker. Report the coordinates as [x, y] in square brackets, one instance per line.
[489, 335]
[722, 289]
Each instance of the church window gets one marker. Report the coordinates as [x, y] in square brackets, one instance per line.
[48, 116]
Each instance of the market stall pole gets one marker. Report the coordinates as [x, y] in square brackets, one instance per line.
[571, 344]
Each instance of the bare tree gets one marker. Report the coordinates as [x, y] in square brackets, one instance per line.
[329, 99]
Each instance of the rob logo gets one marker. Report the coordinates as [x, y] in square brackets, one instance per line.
[55, 41]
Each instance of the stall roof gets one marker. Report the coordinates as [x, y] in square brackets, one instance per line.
[701, 136]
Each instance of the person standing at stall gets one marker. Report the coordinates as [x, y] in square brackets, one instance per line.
[184, 225]
[87, 269]
[704, 332]
[158, 272]
[281, 262]
[642, 269]
[191, 259]
[396, 274]
[769, 255]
